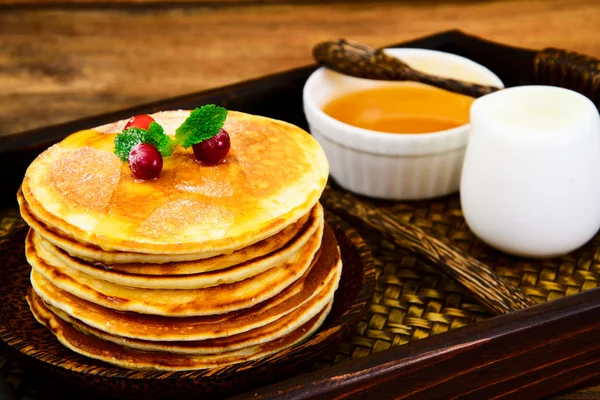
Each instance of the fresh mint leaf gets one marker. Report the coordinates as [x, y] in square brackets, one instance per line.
[126, 140]
[202, 124]
[155, 135]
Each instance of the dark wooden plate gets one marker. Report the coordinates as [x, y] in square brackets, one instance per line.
[42, 351]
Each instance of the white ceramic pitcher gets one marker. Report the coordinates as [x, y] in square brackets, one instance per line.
[530, 182]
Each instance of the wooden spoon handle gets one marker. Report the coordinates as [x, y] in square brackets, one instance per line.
[363, 61]
[495, 293]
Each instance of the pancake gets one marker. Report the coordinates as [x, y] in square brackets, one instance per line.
[267, 333]
[187, 275]
[179, 303]
[159, 328]
[96, 255]
[125, 357]
[273, 175]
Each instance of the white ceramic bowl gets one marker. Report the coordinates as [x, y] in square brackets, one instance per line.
[392, 166]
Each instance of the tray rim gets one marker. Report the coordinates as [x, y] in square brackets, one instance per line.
[460, 345]
[385, 370]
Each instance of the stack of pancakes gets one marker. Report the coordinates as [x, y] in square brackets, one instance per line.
[202, 267]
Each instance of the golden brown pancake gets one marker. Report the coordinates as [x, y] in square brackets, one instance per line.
[273, 175]
[190, 274]
[125, 357]
[115, 259]
[267, 333]
[159, 328]
[202, 267]
[184, 302]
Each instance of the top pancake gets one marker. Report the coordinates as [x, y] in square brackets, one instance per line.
[273, 175]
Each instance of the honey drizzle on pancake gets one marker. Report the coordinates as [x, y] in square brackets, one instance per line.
[185, 193]
[159, 203]
[162, 262]
[272, 176]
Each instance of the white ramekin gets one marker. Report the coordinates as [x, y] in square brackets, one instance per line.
[384, 165]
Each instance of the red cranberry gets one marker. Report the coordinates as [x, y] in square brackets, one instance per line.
[139, 121]
[212, 150]
[145, 161]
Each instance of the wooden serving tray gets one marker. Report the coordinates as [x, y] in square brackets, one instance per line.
[463, 349]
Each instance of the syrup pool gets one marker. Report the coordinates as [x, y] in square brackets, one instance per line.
[402, 109]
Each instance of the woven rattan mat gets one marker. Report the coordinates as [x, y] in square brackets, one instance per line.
[413, 299]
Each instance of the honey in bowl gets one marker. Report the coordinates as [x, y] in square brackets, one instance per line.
[402, 109]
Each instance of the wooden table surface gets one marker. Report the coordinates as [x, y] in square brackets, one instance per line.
[60, 62]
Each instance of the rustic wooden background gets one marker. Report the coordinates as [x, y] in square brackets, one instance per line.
[62, 61]
[65, 60]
